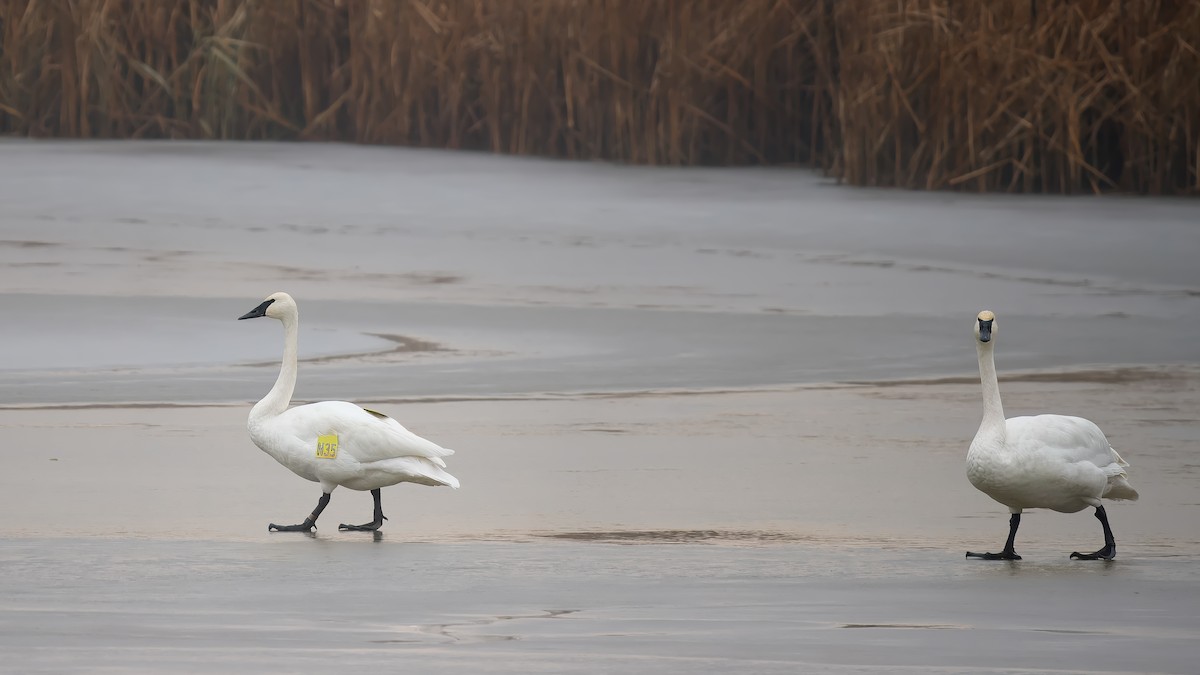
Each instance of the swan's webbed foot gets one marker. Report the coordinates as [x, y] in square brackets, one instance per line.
[1009, 551]
[1007, 554]
[1107, 553]
[1110, 545]
[365, 527]
[372, 526]
[307, 526]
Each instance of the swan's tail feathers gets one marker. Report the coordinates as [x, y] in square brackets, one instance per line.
[1119, 488]
[1120, 461]
[1118, 483]
[419, 470]
[438, 476]
[444, 478]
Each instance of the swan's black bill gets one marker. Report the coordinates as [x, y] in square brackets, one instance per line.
[985, 330]
[261, 310]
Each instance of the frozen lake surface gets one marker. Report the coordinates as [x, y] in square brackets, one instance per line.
[520, 276]
[707, 420]
[306, 605]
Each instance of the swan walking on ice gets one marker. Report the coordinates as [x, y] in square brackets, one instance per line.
[1055, 462]
[335, 442]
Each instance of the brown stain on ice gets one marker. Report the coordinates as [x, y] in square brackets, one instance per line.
[919, 626]
[18, 243]
[406, 278]
[419, 278]
[1095, 376]
[603, 430]
[412, 400]
[676, 536]
[1080, 282]
[126, 405]
[403, 344]
[453, 631]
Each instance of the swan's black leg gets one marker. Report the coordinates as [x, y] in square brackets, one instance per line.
[309, 523]
[1110, 545]
[1008, 553]
[375, 524]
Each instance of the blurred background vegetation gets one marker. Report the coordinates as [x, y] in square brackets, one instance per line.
[1057, 96]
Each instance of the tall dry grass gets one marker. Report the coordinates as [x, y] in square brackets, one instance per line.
[658, 82]
[1017, 95]
[1044, 95]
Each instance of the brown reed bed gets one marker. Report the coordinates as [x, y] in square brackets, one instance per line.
[647, 82]
[1053, 96]
[996, 95]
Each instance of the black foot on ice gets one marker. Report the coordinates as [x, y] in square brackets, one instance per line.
[1003, 555]
[365, 527]
[306, 526]
[1107, 553]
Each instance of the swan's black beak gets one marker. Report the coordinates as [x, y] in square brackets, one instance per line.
[261, 310]
[985, 331]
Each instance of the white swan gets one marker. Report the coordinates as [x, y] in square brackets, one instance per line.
[334, 442]
[1055, 462]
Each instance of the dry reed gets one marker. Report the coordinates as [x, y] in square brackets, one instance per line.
[1009, 95]
[1034, 96]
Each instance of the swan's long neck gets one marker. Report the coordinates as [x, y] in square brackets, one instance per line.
[993, 410]
[280, 396]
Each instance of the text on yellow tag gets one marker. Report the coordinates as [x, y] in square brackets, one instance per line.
[327, 446]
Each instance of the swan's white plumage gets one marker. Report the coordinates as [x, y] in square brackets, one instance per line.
[374, 450]
[1057, 462]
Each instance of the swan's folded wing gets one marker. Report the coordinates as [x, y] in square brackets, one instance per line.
[1071, 439]
[367, 436]
[387, 436]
